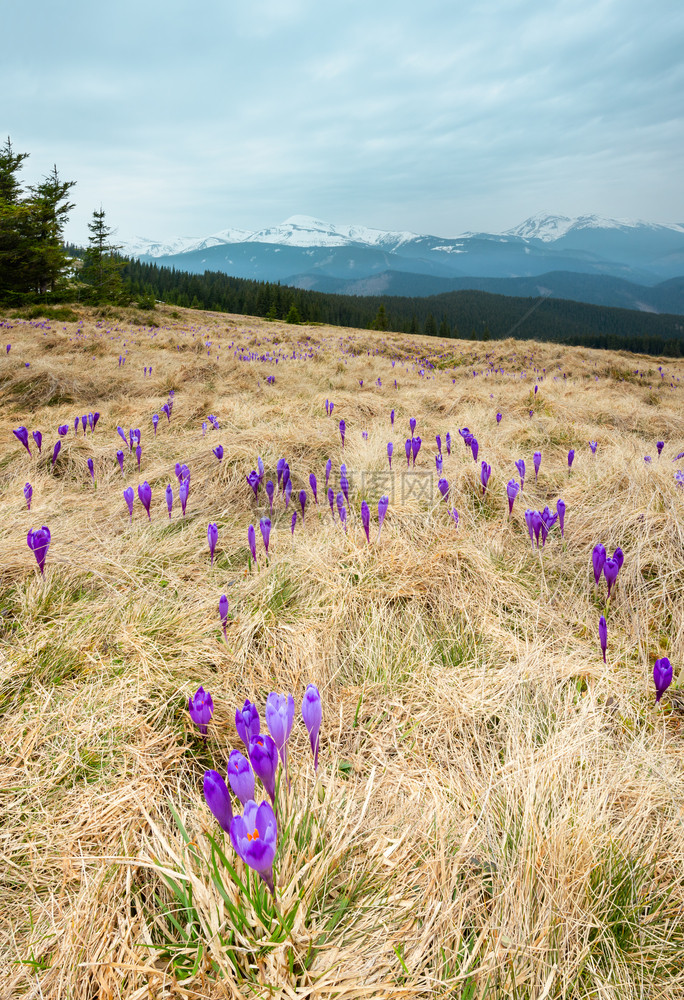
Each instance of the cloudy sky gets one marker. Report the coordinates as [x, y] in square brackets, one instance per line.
[185, 117]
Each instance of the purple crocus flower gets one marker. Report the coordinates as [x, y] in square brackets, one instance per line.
[84, 423]
[38, 438]
[312, 713]
[167, 410]
[343, 428]
[241, 776]
[598, 558]
[251, 541]
[619, 557]
[287, 493]
[342, 510]
[392, 418]
[218, 799]
[571, 457]
[438, 441]
[218, 451]
[447, 438]
[254, 836]
[383, 504]
[280, 465]
[365, 519]
[145, 497]
[302, 502]
[201, 709]
[9, 348]
[662, 676]
[438, 463]
[280, 711]
[529, 516]
[120, 460]
[610, 571]
[265, 527]
[56, 450]
[212, 538]
[474, 447]
[21, 434]
[407, 449]
[270, 491]
[28, 493]
[183, 491]
[128, 497]
[498, 418]
[512, 490]
[260, 467]
[454, 514]
[91, 469]
[263, 756]
[536, 458]
[314, 487]
[593, 446]
[603, 636]
[120, 432]
[138, 455]
[415, 448]
[485, 473]
[223, 612]
[254, 480]
[443, 487]
[390, 449]
[660, 445]
[155, 421]
[328, 467]
[331, 408]
[38, 540]
[331, 501]
[76, 426]
[412, 425]
[96, 417]
[560, 510]
[247, 722]
[520, 466]
[62, 430]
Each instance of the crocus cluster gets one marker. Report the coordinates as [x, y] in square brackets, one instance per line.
[254, 833]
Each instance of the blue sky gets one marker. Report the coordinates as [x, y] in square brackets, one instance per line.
[184, 118]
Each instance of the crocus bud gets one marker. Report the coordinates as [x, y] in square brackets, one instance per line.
[512, 490]
[218, 451]
[21, 434]
[610, 571]
[212, 538]
[593, 445]
[598, 558]
[265, 527]
[448, 442]
[619, 557]
[603, 636]
[520, 466]
[392, 418]
[293, 522]
[223, 612]
[241, 776]
[498, 418]
[218, 799]
[365, 519]
[56, 450]
[383, 504]
[201, 708]
[280, 710]
[155, 421]
[254, 480]
[287, 493]
[660, 445]
[145, 497]
[84, 422]
[263, 756]
[38, 541]
[63, 429]
[28, 493]
[314, 486]
[571, 457]
[390, 449]
[38, 438]
[415, 448]
[662, 676]
[76, 426]
[560, 510]
[247, 722]
[91, 469]
[302, 502]
[407, 449]
[312, 713]
[328, 467]
[536, 458]
[485, 473]
[343, 428]
[138, 455]
[183, 491]
[412, 425]
[438, 463]
[128, 497]
[251, 541]
[443, 487]
[454, 514]
[474, 447]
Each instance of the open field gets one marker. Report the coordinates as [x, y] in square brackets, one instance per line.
[497, 812]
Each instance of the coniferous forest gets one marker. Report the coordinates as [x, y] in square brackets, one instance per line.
[38, 268]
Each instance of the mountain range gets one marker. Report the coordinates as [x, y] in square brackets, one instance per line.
[614, 262]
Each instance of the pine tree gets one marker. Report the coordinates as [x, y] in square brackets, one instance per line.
[293, 315]
[430, 329]
[380, 321]
[50, 209]
[10, 162]
[102, 267]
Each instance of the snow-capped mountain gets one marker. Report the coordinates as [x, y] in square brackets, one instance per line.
[310, 253]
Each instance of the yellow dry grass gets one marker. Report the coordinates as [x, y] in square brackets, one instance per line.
[497, 814]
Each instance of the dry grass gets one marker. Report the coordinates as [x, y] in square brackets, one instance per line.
[498, 814]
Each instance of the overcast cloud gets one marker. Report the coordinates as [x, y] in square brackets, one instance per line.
[186, 118]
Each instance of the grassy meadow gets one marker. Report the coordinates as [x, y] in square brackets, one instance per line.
[497, 813]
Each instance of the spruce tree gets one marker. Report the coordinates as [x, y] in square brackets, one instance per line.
[430, 329]
[50, 209]
[380, 321]
[102, 266]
